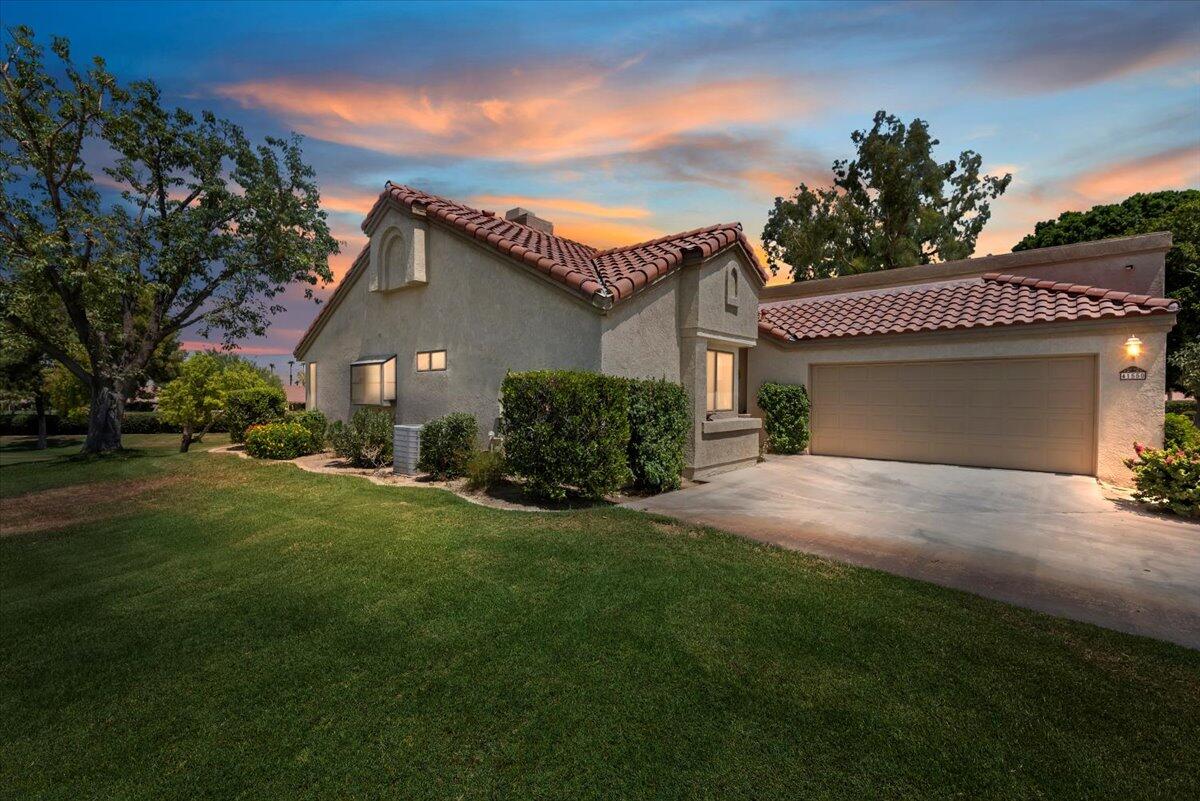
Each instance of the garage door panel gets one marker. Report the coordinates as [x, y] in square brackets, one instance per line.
[1034, 414]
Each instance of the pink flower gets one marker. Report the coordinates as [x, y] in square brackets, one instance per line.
[1138, 448]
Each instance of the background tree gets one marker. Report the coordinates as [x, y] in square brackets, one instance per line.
[1143, 213]
[892, 206]
[195, 399]
[23, 368]
[208, 229]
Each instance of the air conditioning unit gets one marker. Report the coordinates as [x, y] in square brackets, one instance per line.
[406, 449]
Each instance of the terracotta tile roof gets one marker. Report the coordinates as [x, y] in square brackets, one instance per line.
[617, 273]
[604, 276]
[990, 300]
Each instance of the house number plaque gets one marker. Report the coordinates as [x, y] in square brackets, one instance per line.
[1133, 374]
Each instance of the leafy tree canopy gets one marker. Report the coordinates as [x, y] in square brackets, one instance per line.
[893, 205]
[208, 230]
[1143, 213]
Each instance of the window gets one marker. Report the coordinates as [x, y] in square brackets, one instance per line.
[310, 385]
[431, 360]
[373, 381]
[731, 287]
[720, 381]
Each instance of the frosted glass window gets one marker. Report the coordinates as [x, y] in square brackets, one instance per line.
[310, 385]
[429, 360]
[373, 382]
[720, 381]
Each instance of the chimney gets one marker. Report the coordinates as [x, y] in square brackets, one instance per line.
[526, 217]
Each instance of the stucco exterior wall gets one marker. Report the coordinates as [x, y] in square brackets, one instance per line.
[640, 338]
[1127, 411]
[488, 314]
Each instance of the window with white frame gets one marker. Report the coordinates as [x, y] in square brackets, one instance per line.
[720, 381]
[431, 360]
[310, 385]
[373, 381]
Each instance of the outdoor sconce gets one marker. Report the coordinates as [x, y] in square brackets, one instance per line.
[1133, 347]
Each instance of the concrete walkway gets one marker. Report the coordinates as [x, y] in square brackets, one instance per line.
[1048, 542]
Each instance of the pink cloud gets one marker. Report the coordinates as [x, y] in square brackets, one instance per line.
[559, 113]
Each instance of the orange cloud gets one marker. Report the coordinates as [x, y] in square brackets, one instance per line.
[539, 118]
[349, 204]
[1178, 168]
[605, 233]
[538, 205]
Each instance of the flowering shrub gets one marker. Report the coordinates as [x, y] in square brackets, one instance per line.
[279, 441]
[1168, 479]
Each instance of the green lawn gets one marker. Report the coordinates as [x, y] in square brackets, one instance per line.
[228, 628]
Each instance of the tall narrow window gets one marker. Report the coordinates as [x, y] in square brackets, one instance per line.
[310, 385]
[720, 381]
[373, 381]
[431, 360]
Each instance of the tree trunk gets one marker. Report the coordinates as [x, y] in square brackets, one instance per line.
[186, 441]
[104, 420]
[40, 404]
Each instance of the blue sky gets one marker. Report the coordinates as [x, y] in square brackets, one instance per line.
[621, 122]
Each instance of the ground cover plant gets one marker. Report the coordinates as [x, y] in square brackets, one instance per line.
[238, 628]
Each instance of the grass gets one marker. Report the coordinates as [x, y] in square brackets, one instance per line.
[241, 629]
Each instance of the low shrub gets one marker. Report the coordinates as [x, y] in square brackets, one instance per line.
[366, 441]
[564, 429]
[1168, 479]
[486, 469]
[447, 445]
[252, 407]
[76, 421]
[1180, 432]
[283, 440]
[316, 423]
[785, 416]
[1187, 408]
[659, 420]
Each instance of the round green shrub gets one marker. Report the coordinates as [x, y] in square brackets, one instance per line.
[285, 440]
[566, 430]
[1180, 432]
[252, 407]
[366, 441]
[447, 445]
[785, 410]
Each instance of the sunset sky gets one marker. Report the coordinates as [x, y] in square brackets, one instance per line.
[624, 122]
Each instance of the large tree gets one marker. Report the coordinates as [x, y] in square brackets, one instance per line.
[893, 205]
[204, 230]
[1174, 211]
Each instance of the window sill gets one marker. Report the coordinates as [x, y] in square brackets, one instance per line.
[726, 424]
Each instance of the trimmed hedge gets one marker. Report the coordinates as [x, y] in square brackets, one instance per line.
[564, 429]
[285, 440]
[659, 420]
[316, 423]
[366, 441]
[785, 410]
[252, 407]
[1180, 432]
[447, 445]
[25, 424]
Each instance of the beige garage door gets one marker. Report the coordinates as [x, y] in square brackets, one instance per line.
[1026, 414]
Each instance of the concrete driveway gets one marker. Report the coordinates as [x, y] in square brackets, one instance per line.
[1048, 542]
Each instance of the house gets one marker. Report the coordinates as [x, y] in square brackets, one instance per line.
[1019, 361]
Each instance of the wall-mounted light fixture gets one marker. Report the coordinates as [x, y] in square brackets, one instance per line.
[1133, 347]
